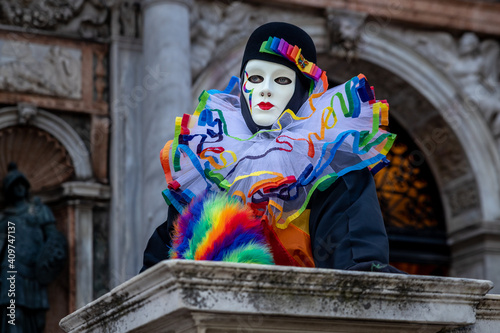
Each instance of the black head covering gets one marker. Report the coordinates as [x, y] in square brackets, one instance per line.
[13, 176]
[293, 35]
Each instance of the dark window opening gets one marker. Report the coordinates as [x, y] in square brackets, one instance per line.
[412, 209]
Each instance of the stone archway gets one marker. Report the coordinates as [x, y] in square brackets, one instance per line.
[475, 186]
[55, 126]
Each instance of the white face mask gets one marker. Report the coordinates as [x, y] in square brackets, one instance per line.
[268, 87]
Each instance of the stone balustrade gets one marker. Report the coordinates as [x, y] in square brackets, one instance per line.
[188, 296]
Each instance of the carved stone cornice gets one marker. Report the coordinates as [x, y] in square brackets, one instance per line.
[478, 16]
[475, 234]
[87, 19]
[86, 190]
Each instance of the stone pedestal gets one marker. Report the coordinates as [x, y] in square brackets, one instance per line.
[488, 315]
[187, 296]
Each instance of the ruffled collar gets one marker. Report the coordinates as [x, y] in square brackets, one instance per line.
[275, 171]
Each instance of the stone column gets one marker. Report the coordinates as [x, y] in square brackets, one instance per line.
[126, 96]
[84, 252]
[81, 197]
[166, 51]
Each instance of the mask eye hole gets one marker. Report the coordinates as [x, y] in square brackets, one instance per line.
[255, 79]
[283, 80]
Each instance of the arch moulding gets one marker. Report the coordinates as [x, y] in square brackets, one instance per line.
[62, 131]
[470, 128]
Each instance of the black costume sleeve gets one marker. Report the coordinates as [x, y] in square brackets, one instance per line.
[346, 225]
[159, 243]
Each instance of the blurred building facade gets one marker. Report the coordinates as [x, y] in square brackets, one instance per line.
[89, 92]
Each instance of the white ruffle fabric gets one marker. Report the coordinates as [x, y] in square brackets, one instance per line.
[276, 171]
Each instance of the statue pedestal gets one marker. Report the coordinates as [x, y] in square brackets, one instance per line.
[188, 296]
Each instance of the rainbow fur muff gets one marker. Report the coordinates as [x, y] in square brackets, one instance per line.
[217, 227]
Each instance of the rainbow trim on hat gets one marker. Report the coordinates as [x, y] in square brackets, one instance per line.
[279, 47]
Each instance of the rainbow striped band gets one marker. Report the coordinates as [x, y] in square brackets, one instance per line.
[279, 47]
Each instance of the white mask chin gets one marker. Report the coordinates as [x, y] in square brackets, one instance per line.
[267, 87]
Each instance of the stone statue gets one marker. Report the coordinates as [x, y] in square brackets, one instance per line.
[32, 253]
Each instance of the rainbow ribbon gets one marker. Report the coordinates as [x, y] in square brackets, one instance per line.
[280, 47]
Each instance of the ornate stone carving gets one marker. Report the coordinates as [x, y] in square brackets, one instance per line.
[212, 22]
[463, 198]
[438, 142]
[26, 112]
[217, 27]
[473, 64]
[130, 18]
[40, 69]
[86, 18]
[344, 28]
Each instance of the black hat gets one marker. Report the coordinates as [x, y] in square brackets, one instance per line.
[294, 36]
[13, 176]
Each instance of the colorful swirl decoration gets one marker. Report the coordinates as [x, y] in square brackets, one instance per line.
[275, 171]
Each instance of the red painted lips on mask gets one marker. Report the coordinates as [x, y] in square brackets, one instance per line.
[265, 105]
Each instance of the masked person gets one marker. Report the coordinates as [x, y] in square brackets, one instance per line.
[296, 154]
